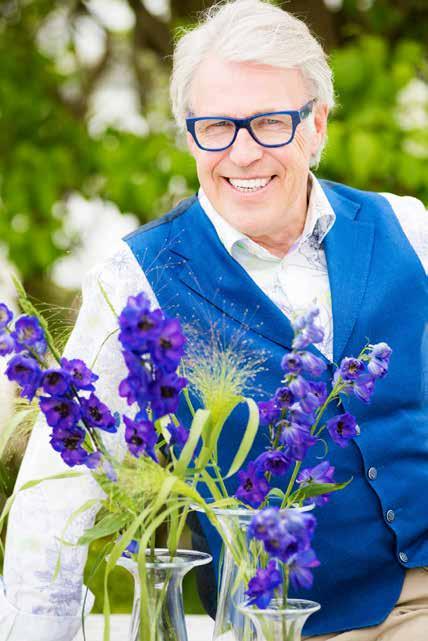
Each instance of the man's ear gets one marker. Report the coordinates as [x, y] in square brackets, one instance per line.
[320, 126]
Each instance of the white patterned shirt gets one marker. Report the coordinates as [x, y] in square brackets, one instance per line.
[32, 606]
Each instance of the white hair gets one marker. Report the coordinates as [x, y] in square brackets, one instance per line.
[250, 31]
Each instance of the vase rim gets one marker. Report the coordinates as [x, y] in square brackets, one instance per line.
[250, 512]
[307, 607]
[244, 511]
[163, 559]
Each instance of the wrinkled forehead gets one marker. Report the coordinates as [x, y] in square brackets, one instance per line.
[239, 89]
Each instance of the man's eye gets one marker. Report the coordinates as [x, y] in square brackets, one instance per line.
[220, 123]
[269, 122]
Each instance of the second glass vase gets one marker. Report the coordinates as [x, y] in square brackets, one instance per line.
[279, 623]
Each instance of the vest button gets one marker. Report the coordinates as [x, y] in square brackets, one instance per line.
[390, 516]
[372, 473]
[403, 557]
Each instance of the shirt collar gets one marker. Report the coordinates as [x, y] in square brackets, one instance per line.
[320, 219]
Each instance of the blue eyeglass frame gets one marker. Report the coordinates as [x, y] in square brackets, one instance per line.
[245, 123]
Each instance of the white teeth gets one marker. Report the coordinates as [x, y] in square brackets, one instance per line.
[249, 185]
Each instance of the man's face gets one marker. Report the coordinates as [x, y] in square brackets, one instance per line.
[240, 90]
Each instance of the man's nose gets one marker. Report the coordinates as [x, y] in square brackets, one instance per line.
[245, 150]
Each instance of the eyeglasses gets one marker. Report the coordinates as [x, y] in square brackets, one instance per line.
[273, 129]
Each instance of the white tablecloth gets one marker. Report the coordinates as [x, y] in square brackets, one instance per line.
[199, 628]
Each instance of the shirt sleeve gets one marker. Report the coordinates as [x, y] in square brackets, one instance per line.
[35, 606]
[413, 218]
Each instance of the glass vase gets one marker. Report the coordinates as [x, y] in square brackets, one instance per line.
[164, 609]
[279, 623]
[231, 623]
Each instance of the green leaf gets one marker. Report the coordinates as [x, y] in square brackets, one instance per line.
[316, 489]
[276, 492]
[108, 525]
[200, 420]
[248, 438]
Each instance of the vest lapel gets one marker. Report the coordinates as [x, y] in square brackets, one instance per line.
[348, 247]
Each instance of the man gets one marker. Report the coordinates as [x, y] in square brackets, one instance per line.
[263, 240]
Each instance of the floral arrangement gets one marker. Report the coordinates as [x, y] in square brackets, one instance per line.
[156, 482]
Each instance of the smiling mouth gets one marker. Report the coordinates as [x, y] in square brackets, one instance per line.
[249, 185]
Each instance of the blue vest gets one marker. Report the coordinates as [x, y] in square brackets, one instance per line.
[379, 293]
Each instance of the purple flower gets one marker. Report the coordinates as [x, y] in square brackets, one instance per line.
[312, 364]
[299, 524]
[320, 474]
[318, 389]
[377, 368]
[133, 548]
[96, 414]
[379, 357]
[81, 376]
[297, 415]
[262, 586]
[253, 486]
[7, 344]
[5, 315]
[164, 392]
[28, 334]
[351, 368]
[342, 428]
[306, 332]
[291, 363]
[273, 461]
[71, 439]
[130, 389]
[141, 437]
[93, 460]
[269, 412]
[167, 348]
[139, 325]
[60, 412]
[179, 435]
[284, 397]
[300, 573]
[55, 382]
[381, 351]
[284, 533]
[296, 437]
[135, 386]
[280, 543]
[363, 388]
[262, 523]
[299, 386]
[24, 370]
[69, 444]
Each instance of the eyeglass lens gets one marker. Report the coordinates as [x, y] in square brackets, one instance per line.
[276, 129]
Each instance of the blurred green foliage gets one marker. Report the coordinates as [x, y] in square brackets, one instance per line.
[367, 146]
[46, 151]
